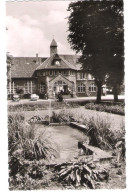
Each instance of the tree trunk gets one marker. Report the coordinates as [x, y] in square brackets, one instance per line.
[115, 91]
[99, 86]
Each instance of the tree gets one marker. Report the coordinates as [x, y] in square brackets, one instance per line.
[96, 30]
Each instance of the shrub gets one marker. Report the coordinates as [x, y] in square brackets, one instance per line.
[101, 134]
[62, 116]
[31, 176]
[98, 129]
[80, 173]
[115, 109]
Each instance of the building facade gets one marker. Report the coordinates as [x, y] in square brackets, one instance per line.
[40, 75]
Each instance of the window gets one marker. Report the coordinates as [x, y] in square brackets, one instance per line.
[92, 88]
[40, 73]
[28, 87]
[60, 83]
[51, 73]
[90, 77]
[64, 72]
[55, 72]
[42, 88]
[71, 72]
[81, 88]
[82, 76]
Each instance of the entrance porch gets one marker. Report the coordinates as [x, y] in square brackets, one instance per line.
[60, 84]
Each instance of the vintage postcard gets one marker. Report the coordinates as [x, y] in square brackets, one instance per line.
[65, 95]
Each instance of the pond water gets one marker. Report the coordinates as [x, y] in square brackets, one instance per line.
[66, 138]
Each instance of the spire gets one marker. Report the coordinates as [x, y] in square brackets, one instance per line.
[53, 43]
[53, 47]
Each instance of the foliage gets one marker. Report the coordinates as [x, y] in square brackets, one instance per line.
[25, 145]
[44, 106]
[98, 130]
[28, 142]
[30, 176]
[96, 30]
[115, 109]
[63, 116]
[100, 133]
[80, 173]
[19, 90]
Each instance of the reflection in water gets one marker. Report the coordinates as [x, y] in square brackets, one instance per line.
[67, 140]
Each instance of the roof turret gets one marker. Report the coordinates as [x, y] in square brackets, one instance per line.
[53, 43]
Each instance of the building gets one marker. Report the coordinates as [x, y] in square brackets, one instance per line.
[50, 75]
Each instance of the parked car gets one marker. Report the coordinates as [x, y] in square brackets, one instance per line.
[16, 98]
[34, 97]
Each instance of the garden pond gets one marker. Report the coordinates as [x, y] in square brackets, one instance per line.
[66, 139]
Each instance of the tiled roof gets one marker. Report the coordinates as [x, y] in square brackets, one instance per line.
[24, 67]
[66, 62]
[73, 59]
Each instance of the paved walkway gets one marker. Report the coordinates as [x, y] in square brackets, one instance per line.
[106, 98]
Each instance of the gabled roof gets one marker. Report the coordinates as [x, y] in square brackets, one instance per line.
[25, 67]
[53, 43]
[64, 64]
[61, 76]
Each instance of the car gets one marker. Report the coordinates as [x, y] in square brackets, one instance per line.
[34, 97]
[16, 98]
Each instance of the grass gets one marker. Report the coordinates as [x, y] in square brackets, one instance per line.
[30, 106]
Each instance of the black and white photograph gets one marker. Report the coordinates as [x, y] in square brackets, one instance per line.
[65, 95]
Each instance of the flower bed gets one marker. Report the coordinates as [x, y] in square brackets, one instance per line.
[105, 107]
[32, 106]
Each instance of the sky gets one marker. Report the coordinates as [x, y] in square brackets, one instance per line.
[32, 24]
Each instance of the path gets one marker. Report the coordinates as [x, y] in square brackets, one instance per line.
[107, 97]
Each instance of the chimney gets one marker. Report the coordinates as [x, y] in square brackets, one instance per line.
[37, 60]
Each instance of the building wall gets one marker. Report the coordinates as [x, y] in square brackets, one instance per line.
[28, 85]
[40, 85]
